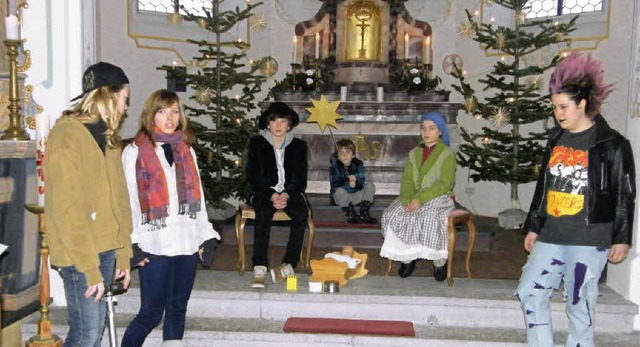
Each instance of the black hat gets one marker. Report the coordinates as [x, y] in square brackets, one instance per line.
[280, 109]
[99, 75]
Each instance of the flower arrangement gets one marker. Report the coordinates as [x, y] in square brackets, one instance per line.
[307, 80]
[416, 78]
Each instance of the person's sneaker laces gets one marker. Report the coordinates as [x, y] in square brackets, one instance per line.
[280, 273]
[259, 278]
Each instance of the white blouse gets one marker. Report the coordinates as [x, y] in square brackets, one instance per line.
[182, 235]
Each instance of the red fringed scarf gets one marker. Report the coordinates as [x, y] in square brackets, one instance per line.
[152, 183]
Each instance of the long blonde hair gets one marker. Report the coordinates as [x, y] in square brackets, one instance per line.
[163, 98]
[100, 103]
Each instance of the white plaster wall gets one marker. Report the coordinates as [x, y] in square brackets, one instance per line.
[490, 197]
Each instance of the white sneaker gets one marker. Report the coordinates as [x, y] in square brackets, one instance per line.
[280, 273]
[259, 278]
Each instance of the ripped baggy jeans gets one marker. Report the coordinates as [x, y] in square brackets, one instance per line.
[579, 267]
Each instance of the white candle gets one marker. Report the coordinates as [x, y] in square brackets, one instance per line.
[380, 94]
[42, 131]
[12, 28]
[428, 54]
[317, 45]
[343, 93]
[295, 50]
[406, 46]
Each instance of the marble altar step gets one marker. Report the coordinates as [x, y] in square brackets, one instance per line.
[224, 311]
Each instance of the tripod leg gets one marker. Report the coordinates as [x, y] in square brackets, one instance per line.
[113, 340]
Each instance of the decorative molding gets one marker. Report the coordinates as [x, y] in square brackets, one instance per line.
[591, 28]
[144, 29]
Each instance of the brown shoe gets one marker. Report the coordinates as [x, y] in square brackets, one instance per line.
[259, 278]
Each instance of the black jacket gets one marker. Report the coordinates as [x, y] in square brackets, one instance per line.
[261, 170]
[611, 187]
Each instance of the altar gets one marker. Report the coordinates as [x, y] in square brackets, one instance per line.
[377, 60]
[383, 132]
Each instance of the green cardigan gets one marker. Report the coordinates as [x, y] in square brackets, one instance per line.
[427, 181]
[86, 201]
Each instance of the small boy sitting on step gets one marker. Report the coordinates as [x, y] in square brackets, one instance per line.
[349, 188]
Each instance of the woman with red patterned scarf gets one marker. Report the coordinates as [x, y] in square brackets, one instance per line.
[170, 223]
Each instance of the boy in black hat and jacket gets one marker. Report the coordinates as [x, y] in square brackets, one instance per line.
[276, 170]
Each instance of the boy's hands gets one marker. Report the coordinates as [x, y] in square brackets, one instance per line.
[279, 200]
[352, 181]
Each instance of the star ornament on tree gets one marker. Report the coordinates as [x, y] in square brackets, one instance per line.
[324, 113]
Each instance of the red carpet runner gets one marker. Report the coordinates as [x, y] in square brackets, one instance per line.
[348, 326]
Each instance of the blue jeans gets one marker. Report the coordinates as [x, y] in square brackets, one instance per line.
[165, 287]
[579, 267]
[86, 317]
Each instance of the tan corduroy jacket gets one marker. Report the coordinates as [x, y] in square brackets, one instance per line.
[86, 201]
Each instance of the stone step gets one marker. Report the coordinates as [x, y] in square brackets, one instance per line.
[224, 309]
[238, 332]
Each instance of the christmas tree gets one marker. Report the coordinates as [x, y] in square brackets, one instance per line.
[513, 97]
[223, 85]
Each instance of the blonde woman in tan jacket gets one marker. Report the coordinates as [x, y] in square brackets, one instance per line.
[87, 203]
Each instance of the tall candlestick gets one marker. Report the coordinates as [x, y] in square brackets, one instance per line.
[12, 28]
[317, 45]
[406, 46]
[295, 50]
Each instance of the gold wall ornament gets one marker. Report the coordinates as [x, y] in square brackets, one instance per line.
[26, 64]
[31, 122]
[257, 22]
[174, 18]
[268, 66]
[366, 151]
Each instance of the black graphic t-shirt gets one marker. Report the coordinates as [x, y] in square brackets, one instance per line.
[566, 194]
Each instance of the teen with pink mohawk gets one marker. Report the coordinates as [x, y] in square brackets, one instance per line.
[572, 232]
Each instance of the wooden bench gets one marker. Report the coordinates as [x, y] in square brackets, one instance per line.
[456, 217]
[246, 212]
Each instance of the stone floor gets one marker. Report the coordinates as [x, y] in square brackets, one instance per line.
[224, 311]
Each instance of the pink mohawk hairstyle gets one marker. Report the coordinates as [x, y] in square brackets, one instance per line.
[581, 77]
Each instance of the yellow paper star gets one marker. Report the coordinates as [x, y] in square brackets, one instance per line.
[324, 113]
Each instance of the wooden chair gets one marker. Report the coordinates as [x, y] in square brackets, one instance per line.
[246, 212]
[456, 216]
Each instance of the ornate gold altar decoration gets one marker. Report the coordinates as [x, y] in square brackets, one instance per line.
[363, 31]
[324, 113]
[366, 151]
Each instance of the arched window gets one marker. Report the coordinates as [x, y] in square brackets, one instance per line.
[550, 8]
[174, 6]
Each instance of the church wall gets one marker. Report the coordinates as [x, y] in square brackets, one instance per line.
[483, 198]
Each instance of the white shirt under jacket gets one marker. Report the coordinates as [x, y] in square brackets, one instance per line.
[182, 235]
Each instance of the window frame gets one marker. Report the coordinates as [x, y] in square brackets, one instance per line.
[560, 5]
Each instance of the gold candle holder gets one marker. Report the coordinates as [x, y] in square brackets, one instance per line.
[15, 130]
